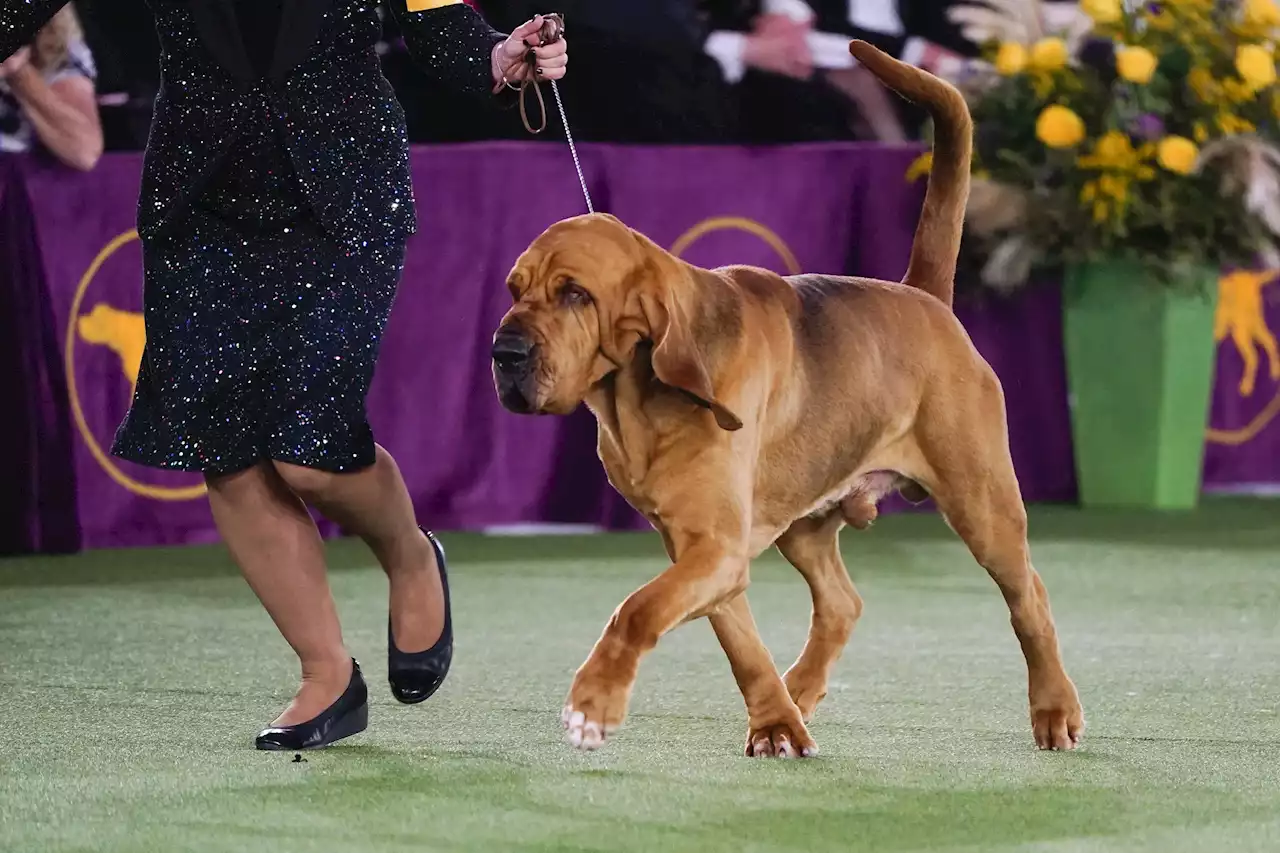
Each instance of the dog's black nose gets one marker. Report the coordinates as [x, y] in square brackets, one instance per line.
[511, 349]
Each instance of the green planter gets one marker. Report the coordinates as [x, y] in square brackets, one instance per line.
[1140, 365]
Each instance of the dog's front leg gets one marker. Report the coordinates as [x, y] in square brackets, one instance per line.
[774, 723]
[708, 571]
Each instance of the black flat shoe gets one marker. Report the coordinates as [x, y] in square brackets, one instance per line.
[415, 676]
[346, 717]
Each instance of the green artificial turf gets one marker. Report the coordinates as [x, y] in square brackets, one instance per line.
[132, 684]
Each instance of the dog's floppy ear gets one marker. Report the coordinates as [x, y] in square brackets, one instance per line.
[670, 301]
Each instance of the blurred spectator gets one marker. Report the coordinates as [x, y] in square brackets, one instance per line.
[778, 56]
[644, 71]
[754, 71]
[126, 51]
[916, 31]
[47, 96]
[714, 71]
[639, 71]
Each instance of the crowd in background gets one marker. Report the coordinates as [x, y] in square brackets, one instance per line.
[658, 71]
[48, 99]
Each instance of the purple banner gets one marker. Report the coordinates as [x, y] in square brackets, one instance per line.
[469, 464]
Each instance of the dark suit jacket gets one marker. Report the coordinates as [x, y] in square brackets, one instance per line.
[340, 119]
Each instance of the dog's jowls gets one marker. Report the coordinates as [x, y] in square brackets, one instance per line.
[740, 410]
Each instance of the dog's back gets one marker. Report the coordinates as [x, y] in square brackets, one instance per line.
[847, 319]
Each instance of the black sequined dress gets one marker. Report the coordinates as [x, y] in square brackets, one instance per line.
[276, 201]
[262, 331]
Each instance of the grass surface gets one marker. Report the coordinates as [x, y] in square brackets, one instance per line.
[132, 684]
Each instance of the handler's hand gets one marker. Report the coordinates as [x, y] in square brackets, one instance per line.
[511, 57]
[15, 63]
[777, 44]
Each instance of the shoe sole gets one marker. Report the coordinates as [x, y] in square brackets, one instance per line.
[352, 724]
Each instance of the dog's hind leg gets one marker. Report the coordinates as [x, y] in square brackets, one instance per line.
[774, 726]
[812, 545]
[977, 492]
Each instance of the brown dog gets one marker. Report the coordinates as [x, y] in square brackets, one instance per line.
[738, 410]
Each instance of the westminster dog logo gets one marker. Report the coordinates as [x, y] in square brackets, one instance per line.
[1241, 315]
[120, 331]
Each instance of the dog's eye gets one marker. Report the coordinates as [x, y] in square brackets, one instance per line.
[574, 294]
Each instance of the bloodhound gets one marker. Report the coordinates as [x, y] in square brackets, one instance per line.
[739, 409]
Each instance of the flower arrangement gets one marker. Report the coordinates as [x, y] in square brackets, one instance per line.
[1135, 132]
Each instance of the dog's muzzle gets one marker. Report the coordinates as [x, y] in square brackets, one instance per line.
[514, 357]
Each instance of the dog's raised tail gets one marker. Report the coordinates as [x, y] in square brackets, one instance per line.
[937, 242]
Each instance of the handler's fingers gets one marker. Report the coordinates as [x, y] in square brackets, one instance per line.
[527, 34]
[549, 51]
[554, 62]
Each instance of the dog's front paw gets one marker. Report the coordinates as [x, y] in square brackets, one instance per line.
[787, 738]
[1057, 720]
[595, 709]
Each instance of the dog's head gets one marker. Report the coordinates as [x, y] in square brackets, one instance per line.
[587, 293]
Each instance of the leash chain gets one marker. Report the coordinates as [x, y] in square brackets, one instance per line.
[552, 31]
[573, 149]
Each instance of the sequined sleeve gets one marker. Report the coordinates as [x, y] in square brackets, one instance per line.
[450, 41]
[20, 20]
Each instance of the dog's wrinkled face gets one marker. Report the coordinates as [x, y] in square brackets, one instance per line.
[577, 314]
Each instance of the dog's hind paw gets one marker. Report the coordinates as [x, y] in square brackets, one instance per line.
[806, 689]
[781, 740]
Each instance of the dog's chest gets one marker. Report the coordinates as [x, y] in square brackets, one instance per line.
[628, 467]
[651, 441]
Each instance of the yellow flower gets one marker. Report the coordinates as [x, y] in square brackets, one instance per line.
[1261, 13]
[1177, 154]
[1059, 127]
[1203, 84]
[919, 167]
[1049, 54]
[1237, 91]
[1200, 132]
[1114, 152]
[1102, 11]
[1011, 58]
[1107, 195]
[1119, 165]
[1113, 148]
[1160, 20]
[1136, 64]
[1231, 124]
[1255, 65]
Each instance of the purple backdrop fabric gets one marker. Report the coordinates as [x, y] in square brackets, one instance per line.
[37, 473]
[72, 272]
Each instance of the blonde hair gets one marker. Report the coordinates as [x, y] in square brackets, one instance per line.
[49, 51]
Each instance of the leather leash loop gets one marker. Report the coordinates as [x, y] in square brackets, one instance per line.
[552, 31]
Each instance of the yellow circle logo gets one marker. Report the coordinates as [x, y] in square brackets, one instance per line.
[124, 334]
[737, 223]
